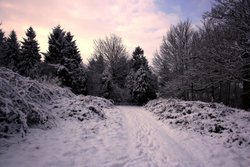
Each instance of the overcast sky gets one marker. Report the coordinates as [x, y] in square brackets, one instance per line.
[138, 22]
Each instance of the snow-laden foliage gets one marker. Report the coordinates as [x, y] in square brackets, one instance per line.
[64, 52]
[23, 102]
[27, 103]
[72, 74]
[212, 119]
[144, 86]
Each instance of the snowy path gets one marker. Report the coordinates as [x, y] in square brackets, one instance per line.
[150, 144]
[130, 137]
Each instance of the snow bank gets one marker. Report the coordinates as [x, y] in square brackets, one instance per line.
[27, 103]
[230, 125]
[81, 107]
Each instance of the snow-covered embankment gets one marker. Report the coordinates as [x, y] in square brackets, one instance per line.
[26, 103]
[229, 127]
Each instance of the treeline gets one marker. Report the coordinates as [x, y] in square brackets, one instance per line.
[211, 63]
[110, 73]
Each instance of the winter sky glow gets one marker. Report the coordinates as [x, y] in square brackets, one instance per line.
[138, 22]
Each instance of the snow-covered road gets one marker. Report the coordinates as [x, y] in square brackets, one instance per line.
[129, 137]
[150, 143]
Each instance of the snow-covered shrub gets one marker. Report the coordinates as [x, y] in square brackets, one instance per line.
[27, 103]
[23, 102]
[82, 107]
[213, 119]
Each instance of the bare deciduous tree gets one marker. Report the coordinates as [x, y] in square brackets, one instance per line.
[115, 56]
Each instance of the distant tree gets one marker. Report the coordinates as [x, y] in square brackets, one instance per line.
[56, 46]
[71, 51]
[30, 57]
[115, 56]
[97, 64]
[96, 67]
[74, 76]
[143, 88]
[74, 72]
[162, 68]
[235, 16]
[138, 59]
[13, 51]
[2, 49]
[140, 81]
[214, 61]
[130, 79]
[119, 71]
[64, 52]
[107, 85]
[174, 60]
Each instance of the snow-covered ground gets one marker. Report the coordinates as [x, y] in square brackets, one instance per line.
[229, 127]
[128, 136]
[25, 103]
[60, 129]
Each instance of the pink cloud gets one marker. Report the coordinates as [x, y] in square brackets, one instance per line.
[138, 22]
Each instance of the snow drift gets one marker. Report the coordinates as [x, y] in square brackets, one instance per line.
[230, 125]
[81, 107]
[27, 103]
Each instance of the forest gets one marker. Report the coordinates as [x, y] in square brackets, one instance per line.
[209, 63]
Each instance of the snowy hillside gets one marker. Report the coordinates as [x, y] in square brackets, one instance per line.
[27, 103]
[231, 126]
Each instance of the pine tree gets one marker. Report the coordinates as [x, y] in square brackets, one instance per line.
[30, 57]
[138, 60]
[79, 81]
[71, 51]
[64, 52]
[144, 87]
[73, 75]
[13, 51]
[130, 81]
[2, 49]
[141, 82]
[56, 46]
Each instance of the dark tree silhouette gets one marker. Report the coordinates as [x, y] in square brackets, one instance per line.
[56, 46]
[13, 51]
[2, 49]
[30, 57]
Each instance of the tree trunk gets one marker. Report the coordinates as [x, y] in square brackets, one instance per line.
[220, 96]
[192, 91]
[212, 92]
[228, 92]
[246, 83]
[246, 95]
